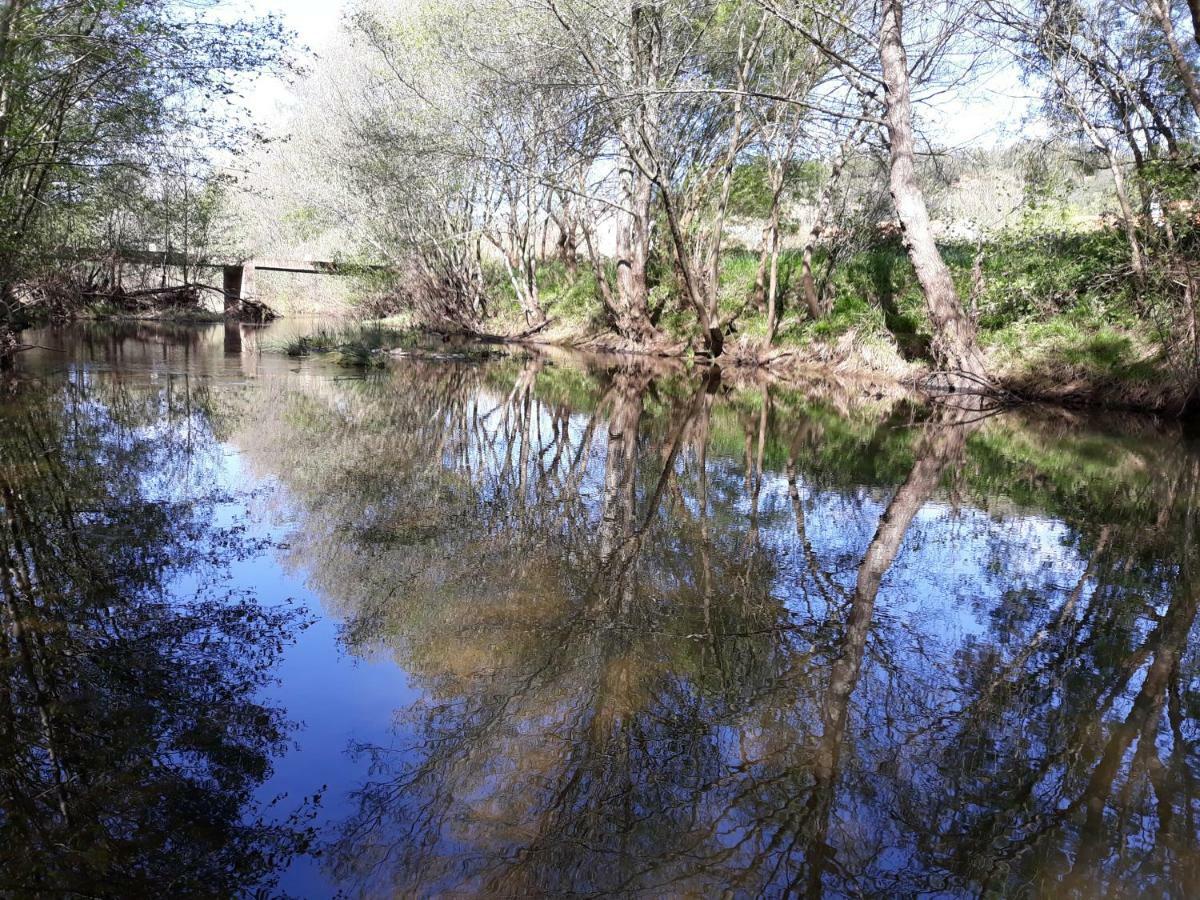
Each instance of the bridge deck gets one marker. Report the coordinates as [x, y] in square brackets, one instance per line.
[237, 275]
[258, 263]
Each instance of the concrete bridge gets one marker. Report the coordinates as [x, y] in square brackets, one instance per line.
[237, 278]
[237, 275]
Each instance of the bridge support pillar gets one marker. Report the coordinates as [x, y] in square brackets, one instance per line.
[233, 337]
[238, 284]
[231, 284]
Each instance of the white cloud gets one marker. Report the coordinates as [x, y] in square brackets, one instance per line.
[315, 23]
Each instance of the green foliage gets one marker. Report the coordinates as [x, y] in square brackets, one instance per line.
[572, 300]
[305, 222]
[358, 355]
[1056, 301]
[1068, 472]
[580, 300]
[1069, 349]
[112, 111]
[1171, 180]
[321, 341]
[750, 195]
[1047, 189]
[738, 271]
[1031, 277]
[357, 347]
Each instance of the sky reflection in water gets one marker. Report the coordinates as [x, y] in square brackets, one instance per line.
[527, 626]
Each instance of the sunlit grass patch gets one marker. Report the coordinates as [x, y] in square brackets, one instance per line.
[1069, 358]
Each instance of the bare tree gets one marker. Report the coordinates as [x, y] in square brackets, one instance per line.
[954, 333]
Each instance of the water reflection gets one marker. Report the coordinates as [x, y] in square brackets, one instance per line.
[670, 634]
[132, 736]
[679, 637]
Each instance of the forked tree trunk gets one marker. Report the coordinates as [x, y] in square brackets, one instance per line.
[954, 341]
[633, 258]
[940, 449]
[568, 252]
[714, 338]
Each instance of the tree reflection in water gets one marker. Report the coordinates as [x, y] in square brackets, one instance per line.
[132, 734]
[875, 657]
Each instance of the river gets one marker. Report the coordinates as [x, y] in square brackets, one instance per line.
[523, 625]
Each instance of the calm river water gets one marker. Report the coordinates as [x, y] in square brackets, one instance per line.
[522, 626]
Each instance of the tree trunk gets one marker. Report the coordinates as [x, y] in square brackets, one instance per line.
[940, 449]
[714, 338]
[1162, 12]
[954, 341]
[716, 233]
[602, 285]
[8, 347]
[815, 308]
[770, 235]
[773, 287]
[8, 22]
[641, 62]
[633, 256]
[620, 465]
[568, 252]
[1127, 215]
[522, 275]
[566, 242]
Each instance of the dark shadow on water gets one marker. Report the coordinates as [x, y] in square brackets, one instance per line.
[132, 737]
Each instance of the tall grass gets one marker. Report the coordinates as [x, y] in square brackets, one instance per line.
[357, 346]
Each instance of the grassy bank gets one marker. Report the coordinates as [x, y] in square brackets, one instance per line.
[1058, 316]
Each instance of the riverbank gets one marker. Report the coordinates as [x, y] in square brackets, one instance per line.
[867, 366]
[1058, 317]
[1049, 365]
[62, 298]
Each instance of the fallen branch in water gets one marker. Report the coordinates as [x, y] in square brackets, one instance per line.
[253, 311]
[530, 332]
[976, 386]
[21, 348]
[485, 337]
